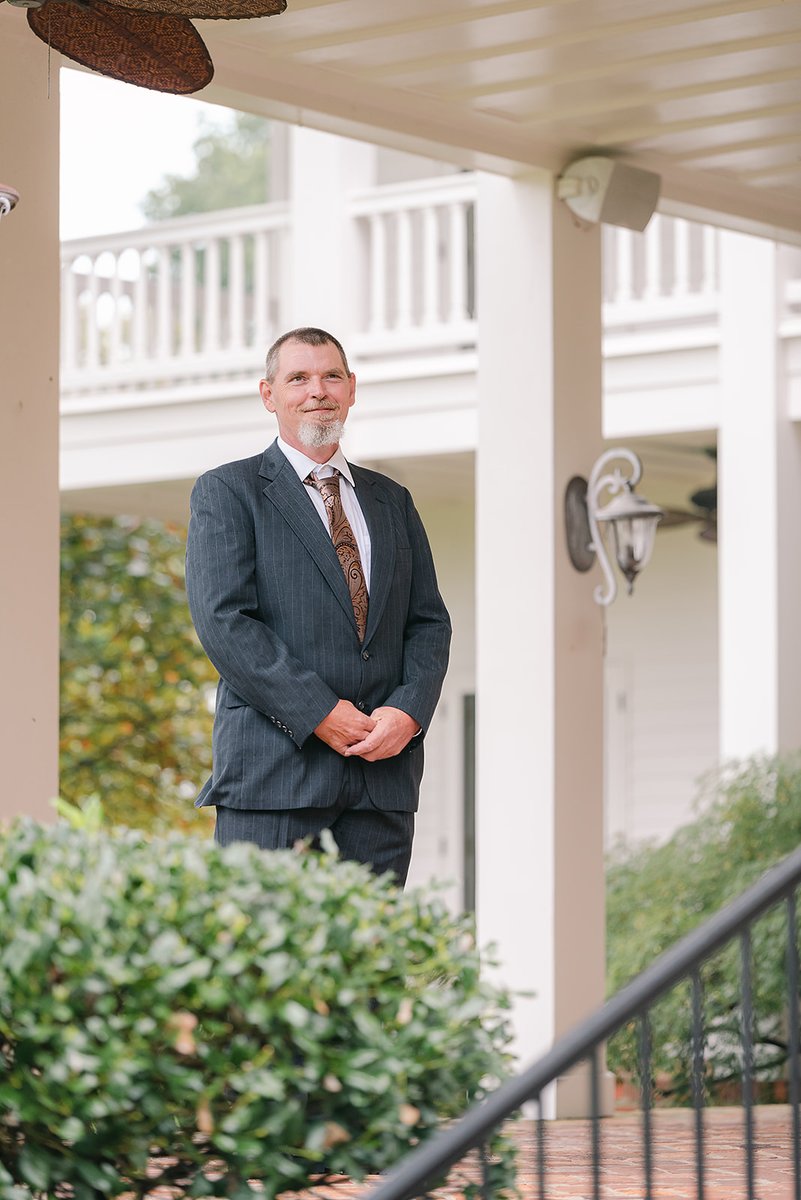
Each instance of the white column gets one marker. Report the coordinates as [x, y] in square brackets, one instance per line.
[759, 502]
[326, 258]
[540, 880]
[29, 506]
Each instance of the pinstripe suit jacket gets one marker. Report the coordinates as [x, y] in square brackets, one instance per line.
[271, 607]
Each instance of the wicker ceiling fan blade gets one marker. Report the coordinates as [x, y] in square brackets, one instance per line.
[675, 518]
[152, 50]
[211, 10]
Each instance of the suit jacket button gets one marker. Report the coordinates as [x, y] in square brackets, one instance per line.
[365, 655]
[361, 704]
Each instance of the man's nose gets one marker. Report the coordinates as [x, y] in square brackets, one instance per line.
[316, 385]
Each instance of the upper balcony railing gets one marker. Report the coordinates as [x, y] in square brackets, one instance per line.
[198, 297]
[420, 267]
[195, 299]
[173, 301]
[670, 270]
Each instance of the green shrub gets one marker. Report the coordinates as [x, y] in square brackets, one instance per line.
[749, 819]
[212, 1017]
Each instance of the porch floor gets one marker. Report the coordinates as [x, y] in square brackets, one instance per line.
[569, 1158]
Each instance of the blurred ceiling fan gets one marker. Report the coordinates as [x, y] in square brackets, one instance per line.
[151, 43]
[703, 505]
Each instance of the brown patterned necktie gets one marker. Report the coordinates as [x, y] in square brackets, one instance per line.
[345, 545]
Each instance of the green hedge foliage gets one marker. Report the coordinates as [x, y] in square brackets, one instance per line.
[749, 819]
[174, 1013]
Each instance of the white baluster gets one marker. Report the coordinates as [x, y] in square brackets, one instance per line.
[211, 303]
[652, 284]
[709, 260]
[624, 258]
[236, 292]
[457, 263]
[115, 332]
[92, 333]
[280, 268]
[403, 266]
[430, 315]
[141, 310]
[260, 324]
[608, 263]
[69, 300]
[163, 305]
[377, 299]
[681, 258]
[188, 299]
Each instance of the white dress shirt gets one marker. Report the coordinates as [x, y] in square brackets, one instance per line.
[303, 466]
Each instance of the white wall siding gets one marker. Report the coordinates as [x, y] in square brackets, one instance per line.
[438, 849]
[662, 689]
[660, 391]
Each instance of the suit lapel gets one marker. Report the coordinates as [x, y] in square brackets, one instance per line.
[382, 546]
[286, 492]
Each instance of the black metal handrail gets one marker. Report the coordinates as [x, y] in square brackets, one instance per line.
[683, 961]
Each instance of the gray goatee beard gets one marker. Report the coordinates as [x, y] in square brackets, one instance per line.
[316, 434]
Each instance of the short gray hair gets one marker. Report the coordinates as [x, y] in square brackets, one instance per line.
[310, 337]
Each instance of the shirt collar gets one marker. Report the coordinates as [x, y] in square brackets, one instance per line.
[302, 465]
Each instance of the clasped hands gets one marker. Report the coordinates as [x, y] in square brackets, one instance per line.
[383, 733]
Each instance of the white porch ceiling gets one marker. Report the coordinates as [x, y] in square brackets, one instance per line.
[708, 95]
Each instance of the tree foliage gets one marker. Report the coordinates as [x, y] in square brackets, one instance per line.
[135, 719]
[230, 171]
[750, 818]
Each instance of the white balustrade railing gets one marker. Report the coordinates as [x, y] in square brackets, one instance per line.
[671, 269]
[173, 300]
[198, 297]
[419, 273]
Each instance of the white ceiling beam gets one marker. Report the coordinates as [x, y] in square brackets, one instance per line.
[717, 198]
[743, 146]
[657, 130]
[308, 5]
[650, 97]
[777, 171]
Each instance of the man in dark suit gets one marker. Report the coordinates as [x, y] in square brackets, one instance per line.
[312, 589]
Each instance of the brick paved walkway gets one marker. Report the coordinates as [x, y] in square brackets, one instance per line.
[569, 1159]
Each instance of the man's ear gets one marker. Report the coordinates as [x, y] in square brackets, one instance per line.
[266, 391]
[352, 379]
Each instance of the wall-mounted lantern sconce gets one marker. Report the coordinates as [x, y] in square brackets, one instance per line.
[630, 517]
[8, 198]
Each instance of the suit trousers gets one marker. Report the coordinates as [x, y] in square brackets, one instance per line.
[363, 833]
